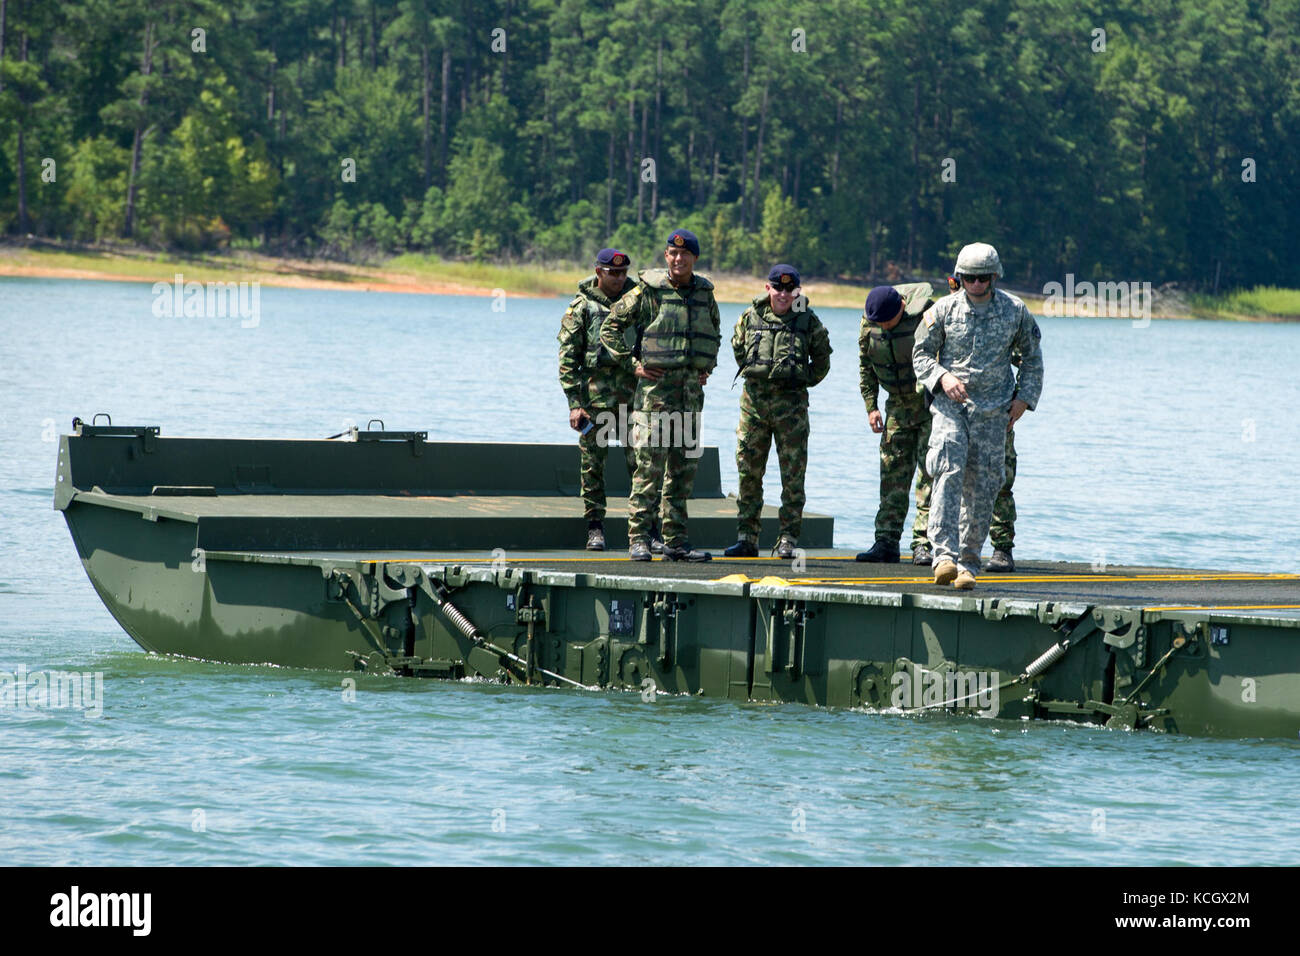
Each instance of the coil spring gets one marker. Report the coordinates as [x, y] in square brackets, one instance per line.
[459, 619]
[1047, 659]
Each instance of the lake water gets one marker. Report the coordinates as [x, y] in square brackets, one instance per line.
[1174, 444]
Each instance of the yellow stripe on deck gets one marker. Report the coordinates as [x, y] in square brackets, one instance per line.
[1226, 607]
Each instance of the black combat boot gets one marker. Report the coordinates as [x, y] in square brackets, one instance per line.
[922, 555]
[882, 552]
[743, 548]
[684, 552]
[638, 551]
[595, 536]
[1001, 561]
[656, 538]
[784, 547]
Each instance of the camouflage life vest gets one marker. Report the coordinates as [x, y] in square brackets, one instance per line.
[890, 353]
[682, 333]
[776, 346]
[595, 308]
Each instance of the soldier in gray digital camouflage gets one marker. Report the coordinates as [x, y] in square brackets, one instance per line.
[963, 357]
[678, 326]
[885, 341]
[782, 350]
[596, 386]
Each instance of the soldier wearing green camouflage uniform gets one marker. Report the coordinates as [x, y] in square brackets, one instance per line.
[885, 340]
[963, 358]
[782, 349]
[594, 383]
[678, 325]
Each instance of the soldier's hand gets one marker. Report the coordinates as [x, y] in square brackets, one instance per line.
[953, 387]
[704, 379]
[877, 421]
[1018, 408]
[653, 374]
[577, 418]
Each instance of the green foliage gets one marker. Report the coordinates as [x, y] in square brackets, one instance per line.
[477, 214]
[423, 223]
[785, 234]
[360, 233]
[202, 180]
[97, 188]
[872, 150]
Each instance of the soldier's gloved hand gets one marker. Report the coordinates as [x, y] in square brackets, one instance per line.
[1018, 408]
[653, 374]
[577, 418]
[877, 421]
[953, 387]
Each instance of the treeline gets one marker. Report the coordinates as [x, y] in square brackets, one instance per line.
[1134, 140]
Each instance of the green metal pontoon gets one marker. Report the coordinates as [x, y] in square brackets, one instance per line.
[391, 554]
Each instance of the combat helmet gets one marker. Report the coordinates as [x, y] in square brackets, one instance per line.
[978, 258]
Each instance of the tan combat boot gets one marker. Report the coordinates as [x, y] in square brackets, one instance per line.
[965, 581]
[944, 572]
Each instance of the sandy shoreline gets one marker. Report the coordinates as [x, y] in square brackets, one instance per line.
[730, 289]
[527, 281]
[363, 282]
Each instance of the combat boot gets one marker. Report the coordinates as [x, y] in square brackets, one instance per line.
[945, 572]
[965, 581]
[595, 536]
[882, 552]
[638, 551]
[744, 548]
[922, 556]
[656, 539]
[784, 547]
[685, 552]
[1001, 561]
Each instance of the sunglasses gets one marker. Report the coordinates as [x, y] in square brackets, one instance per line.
[988, 277]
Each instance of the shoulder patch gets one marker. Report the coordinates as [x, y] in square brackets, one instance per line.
[1038, 333]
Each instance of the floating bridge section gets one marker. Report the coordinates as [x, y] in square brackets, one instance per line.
[391, 554]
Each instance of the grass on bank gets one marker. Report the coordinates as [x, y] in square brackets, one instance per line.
[1261, 302]
[562, 279]
[521, 278]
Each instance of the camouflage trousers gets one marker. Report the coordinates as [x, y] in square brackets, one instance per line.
[903, 451]
[1002, 533]
[770, 412]
[666, 441]
[593, 448]
[967, 455]
[902, 457]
